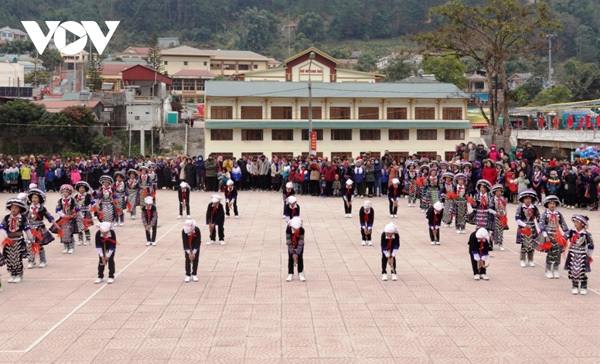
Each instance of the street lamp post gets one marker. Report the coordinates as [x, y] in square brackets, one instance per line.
[550, 36]
[310, 111]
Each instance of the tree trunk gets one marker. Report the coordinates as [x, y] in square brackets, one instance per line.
[507, 126]
[492, 100]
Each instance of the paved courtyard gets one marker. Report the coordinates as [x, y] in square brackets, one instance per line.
[243, 311]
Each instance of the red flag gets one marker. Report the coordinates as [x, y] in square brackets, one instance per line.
[419, 181]
[37, 235]
[61, 233]
[504, 220]
[556, 122]
[545, 246]
[451, 195]
[35, 248]
[588, 123]
[528, 123]
[560, 239]
[570, 122]
[470, 200]
[541, 122]
[598, 121]
[526, 231]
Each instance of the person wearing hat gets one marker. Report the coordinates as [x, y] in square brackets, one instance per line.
[433, 186]
[153, 179]
[552, 223]
[120, 191]
[149, 220]
[447, 195]
[215, 219]
[537, 181]
[190, 235]
[231, 194]
[35, 217]
[390, 243]
[133, 192]
[12, 228]
[394, 196]
[499, 214]
[579, 254]
[526, 216]
[85, 201]
[292, 209]
[479, 248]
[434, 219]
[483, 208]
[366, 216]
[553, 184]
[183, 194]
[107, 200]
[423, 182]
[460, 203]
[348, 196]
[294, 238]
[68, 211]
[287, 192]
[146, 188]
[106, 246]
[410, 184]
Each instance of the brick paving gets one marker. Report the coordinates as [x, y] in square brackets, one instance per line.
[243, 311]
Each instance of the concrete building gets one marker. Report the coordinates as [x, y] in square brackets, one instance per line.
[11, 74]
[349, 118]
[9, 34]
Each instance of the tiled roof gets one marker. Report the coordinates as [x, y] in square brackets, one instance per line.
[235, 54]
[194, 73]
[185, 50]
[114, 69]
[57, 106]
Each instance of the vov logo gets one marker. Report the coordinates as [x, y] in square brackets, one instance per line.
[59, 31]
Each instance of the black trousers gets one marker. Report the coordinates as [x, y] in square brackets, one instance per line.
[213, 233]
[393, 210]
[291, 263]
[211, 183]
[151, 235]
[187, 208]
[476, 270]
[384, 264]
[235, 210]
[315, 190]
[347, 207]
[364, 235]
[191, 266]
[433, 236]
[111, 266]
[328, 188]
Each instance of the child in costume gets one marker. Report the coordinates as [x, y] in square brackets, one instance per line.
[410, 178]
[526, 216]
[366, 216]
[390, 243]
[579, 254]
[190, 235]
[215, 219]
[231, 194]
[348, 196]
[150, 220]
[292, 209]
[448, 194]
[552, 227]
[133, 192]
[499, 214]
[394, 196]
[37, 213]
[423, 181]
[120, 191]
[337, 186]
[106, 245]
[460, 203]
[479, 248]
[287, 192]
[294, 238]
[434, 219]
[183, 194]
[12, 228]
[107, 200]
[85, 201]
[68, 211]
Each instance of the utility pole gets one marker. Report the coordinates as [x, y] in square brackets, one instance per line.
[550, 36]
[310, 110]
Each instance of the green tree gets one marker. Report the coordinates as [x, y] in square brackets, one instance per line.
[523, 94]
[491, 33]
[17, 47]
[366, 63]
[37, 78]
[51, 59]
[447, 69]
[553, 95]
[154, 54]
[74, 123]
[94, 73]
[349, 20]
[16, 117]
[398, 69]
[258, 29]
[582, 79]
[312, 26]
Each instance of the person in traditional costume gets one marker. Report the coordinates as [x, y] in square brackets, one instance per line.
[448, 195]
[292, 209]
[394, 196]
[231, 194]
[190, 235]
[106, 246]
[499, 214]
[133, 191]
[422, 182]
[106, 200]
[184, 194]
[366, 217]
[120, 191]
[390, 244]
[294, 237]
[527, 215]
[287, 192]
[12, 230]
[68, 211]
[579, 254]
[460, 203]
[215, 219]
[85, 201]
[434, 219]
[41, 236]
[410, 183]
[149, 220]
[348, 197]
[552, 226]
[479, 248]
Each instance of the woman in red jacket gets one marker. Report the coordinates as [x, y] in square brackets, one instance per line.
[489, 171]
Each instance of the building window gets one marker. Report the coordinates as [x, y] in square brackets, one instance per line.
[430, 155]
[252, 134]
[339, 113]
[426, 134]
[166, 63]
[281, 112]
[398, 134]
[452, 113]
[185, 63]
[221, 134]
[454, 134]
[424, 113]
[252, 112]
[282, 134]
[189, 85]
[255, 66]
[205, 63]
[177, 84]
[221, 112]
[137, 117]
[397, 113]
[319, 134]
[370, 134]
[368, 113]
[243, 67]
[316, 112]
[341, 134]
[397, 156]
[200, 84]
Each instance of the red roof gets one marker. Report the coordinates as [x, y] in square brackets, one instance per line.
[57, 106]
[113, 69]
[141, 50]
[139, 72]
[195, 73]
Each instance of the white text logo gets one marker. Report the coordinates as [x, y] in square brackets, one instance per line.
[59, 31]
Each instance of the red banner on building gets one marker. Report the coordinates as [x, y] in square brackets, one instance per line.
[313, 141]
